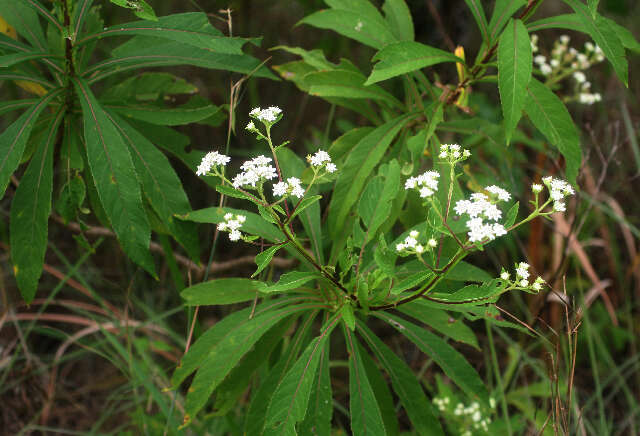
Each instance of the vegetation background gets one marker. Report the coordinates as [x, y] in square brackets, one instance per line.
[58, 377]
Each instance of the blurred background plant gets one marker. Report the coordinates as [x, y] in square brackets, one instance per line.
[94, 351]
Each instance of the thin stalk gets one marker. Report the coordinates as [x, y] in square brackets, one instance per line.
[496, 370]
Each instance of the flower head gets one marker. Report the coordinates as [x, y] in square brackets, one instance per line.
[558, 191]
[232, 224]
[254, 171]
[291, 187]
[210, 160]
[321, 159]
[453, 153]
[267, 116]
[482, 208]
[426, 184]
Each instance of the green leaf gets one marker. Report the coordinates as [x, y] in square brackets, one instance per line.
[481, 20]
[515, 64]
[80, 12]
[454, 365]
[440, 321]
[263, 259]
[348, 316]
[71, 198]
[346, 84]
[502, 11]
[16, 58]
[254, 225]
[165, 116]
[398, 17]
[467, 272]
[115, 178]
[593, 7]
[231, 389]
[139, 7]
[288, 405]
[30, 208]
[473, 294]
[403, 57]
[355, 19]
[221, 291]
[603, 35]
[320, 409]
[305, 203]
[36, 6]
[161, 185]
[366, 418]
[357, 168]
[411, 281]
[227, 353]
[511, 216]
[549, 114]
[149, 87]
[290, 280]
[14, 139]
[145, 52]
[191, 28]
[20, 15]
[377, 198]
[405, 384]
[12, 105]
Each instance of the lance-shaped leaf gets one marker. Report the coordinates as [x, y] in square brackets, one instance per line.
[224, 357]
[221, 291]
[549, 114]
[502, 11]
[16, 58]
[406, 56]
[161, 185]
[30, 210]
[357, 169]
[166, 116]
[405, 384]
[288, 405]
[398, 17]
[24, 18]
[115, 179]
[454, 365]
[515, 64]
[602, 33]
[317, 421]
[145, 52]
[14, 139]
[475, 6]
[366, 418]
[80, 12]
[290, 280]
[440, 321]
[192, 28]
[381, 391]
[12, 105]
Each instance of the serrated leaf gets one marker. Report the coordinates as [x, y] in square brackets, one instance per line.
[14, 139]
[30, 208]
[605, 37]
[515, 65]
[305, 203]
[549, 114]
[166, 116]
[454, 365]
[473, 294]
[440, 321]
[398, 17]
[411, 281]
[366, 418]
[227, 353]
[357, 24]
[404, 57]
[481, 20]
[317, 421]
[264, 258]
[144, 52]
[221, 291]
[346, 84]
[357, 168]
[290, 280]
[502, 11]
[139, 7]
[71, 198]
[405, 384]
[288, 405]
[511, 216]
[161, 185]
[115, 178]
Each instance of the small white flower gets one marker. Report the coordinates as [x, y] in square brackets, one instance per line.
[524, 283]
[419, 248]
[432, 243]
[536, 188]
[589, 46]
[504, 275]
[546, 69]
[358, 26]
[210, 160]
[537, 284]
[579, 77]
[522, 270]
[414, 233]
[232, 225]
[564, 39]
[540, 59]
[251, 126]
[501, 193]
[331, 167]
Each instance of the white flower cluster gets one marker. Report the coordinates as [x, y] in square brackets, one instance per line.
[292, 186]
[475, 414]
[453, 153]
[267, 116]
[411, 245]
[210, 160]
[568, 59]
[441, 403]
[558, 191]
[254, 171]
[426, 184]
[321, 159]
[480, 208]
[522, 277]
[232, 224]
